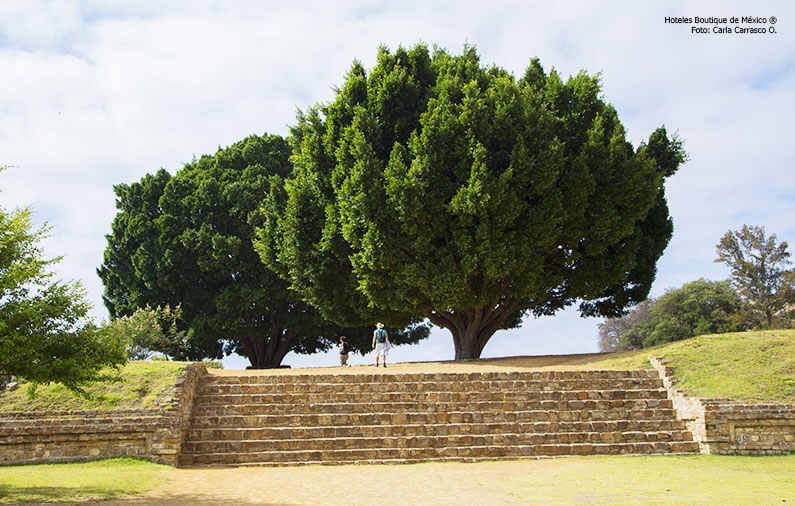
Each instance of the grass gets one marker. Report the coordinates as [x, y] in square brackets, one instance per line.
[756, 367]
[140, 385]
[699, 479]
[84, 481]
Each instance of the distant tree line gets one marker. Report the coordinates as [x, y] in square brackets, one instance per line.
[760, 294]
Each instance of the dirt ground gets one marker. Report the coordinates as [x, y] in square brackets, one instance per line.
[405, 485]
[410, 484]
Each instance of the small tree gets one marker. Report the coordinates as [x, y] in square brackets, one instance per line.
[619, 334]
[148, 331]
[45, 334]
[758, 270]
[696, 308]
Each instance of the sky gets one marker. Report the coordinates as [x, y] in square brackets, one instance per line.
[97, 93]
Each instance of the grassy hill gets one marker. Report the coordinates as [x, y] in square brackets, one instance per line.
[748, 366]
[139, 385]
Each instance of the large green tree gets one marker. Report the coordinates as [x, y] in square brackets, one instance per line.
[46, 334]
[187, 240]
[436, 186]
[759, 272]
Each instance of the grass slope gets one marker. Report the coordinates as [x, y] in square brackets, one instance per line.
[755, 367]
[139, 385]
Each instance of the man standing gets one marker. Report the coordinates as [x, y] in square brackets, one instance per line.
[380, 342]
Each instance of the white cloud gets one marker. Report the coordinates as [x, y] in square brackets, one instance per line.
[97, 93]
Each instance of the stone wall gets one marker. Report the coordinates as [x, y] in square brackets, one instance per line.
[748, 429]
[724, 427]
[152, 434]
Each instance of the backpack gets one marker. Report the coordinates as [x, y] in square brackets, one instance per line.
[380, 336]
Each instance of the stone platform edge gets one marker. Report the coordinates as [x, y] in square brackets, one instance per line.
[69, 436]
[718, 425]
[724, 427]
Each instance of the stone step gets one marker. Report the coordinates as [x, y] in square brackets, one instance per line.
[431, 442]
[286, 419]
[621, 406]
[307, 384]
[292, 433]
[440, 417]
[473, 378]
[469, 453]
[209, 399]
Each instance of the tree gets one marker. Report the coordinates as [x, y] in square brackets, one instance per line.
[623, 333]
[696, 308]
[45, 333]
[148, 331]
[438, 187]
[186, 241]
[758, 270]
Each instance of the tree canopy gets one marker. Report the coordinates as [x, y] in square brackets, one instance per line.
[759, 271]
[187, 240]
[45, 333]
[439, 187]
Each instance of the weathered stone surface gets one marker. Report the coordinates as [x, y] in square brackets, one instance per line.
[732, 428]
[429, 417]
[66, 436]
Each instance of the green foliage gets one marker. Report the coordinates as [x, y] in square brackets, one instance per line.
[45, 334]
[626, 332]
[698, 307]
[139, 384]
[758, 272]
[148, 331]
[186, 241]
[437, 187]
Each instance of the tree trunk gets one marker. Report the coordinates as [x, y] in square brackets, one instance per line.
[472, 328]
[264, 353]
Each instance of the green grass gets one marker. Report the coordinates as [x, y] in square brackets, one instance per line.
[757, 367]
[84, 481]
[697, 479]
[140, 385]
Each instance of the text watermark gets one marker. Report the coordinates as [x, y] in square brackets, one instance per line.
[727, 25]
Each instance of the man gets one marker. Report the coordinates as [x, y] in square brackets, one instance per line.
[380, 342]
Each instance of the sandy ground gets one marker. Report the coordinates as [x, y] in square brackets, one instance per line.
[407, 484]
[481, 483]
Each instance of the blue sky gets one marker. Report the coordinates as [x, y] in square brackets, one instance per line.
[96, 93]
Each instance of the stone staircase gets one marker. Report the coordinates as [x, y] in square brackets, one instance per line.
[384, 417]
